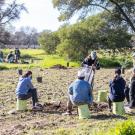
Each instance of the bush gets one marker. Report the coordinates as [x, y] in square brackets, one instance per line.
[125, 128]
[108, 62]
[3, 67]
[26, 56]
[114, 62]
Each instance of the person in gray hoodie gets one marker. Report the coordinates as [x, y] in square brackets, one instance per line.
[25, 90]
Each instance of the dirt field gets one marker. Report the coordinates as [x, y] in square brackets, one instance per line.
[53, 95]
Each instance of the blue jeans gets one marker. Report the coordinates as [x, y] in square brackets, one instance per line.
[31, 93]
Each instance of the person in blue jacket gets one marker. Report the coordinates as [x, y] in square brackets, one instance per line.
[79, 93]
[25, 90]
[117, 87]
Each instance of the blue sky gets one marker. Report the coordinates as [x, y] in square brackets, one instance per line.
[41, 15]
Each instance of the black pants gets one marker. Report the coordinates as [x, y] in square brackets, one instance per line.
[127, 94]
[31, 93]
[110, 103]
[130, 98]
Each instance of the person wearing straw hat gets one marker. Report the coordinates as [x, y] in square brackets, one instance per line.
[79, 92]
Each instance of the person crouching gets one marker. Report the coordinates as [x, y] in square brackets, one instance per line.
[25, 90]
[117, 87]
[79, 93]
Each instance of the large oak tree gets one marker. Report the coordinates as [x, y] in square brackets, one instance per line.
[122, 10]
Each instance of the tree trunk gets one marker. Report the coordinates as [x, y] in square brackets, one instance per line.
[125, 15]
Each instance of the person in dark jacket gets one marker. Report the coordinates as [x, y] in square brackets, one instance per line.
[10, 57]
[117, 86]
[1, 56]
[91, 60]
[17, 54]
[132, 91]
[25, 90]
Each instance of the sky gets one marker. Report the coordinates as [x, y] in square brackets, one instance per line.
[41, 15]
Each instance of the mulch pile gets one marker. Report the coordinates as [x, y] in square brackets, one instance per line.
[58, 66]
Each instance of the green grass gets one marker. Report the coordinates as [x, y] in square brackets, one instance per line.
[39, 57]
[42, 60]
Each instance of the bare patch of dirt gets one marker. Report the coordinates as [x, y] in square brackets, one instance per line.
[52, 94]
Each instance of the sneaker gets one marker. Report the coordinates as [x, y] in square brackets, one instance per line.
[126, 105]
[39, 105]
[37, 108]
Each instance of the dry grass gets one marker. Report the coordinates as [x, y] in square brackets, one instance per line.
[53, 88]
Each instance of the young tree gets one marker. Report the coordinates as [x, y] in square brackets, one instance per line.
[8, 13]
[48, 41]
[124, 10]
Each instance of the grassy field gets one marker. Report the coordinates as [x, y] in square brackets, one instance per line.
[40, 59]
[51, 92]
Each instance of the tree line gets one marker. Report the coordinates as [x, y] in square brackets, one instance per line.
[112, 28]
[9, 12]
[95, 32]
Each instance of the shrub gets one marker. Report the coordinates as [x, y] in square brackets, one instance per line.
[108, 62]
[124, 128]
[3, 67]
[26, 56]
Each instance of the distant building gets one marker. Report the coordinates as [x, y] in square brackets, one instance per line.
[21, 46]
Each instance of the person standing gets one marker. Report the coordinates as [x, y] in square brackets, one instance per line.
[17, 54]
[91, 60]
[1, 56]
[132, 91]
[90, 64]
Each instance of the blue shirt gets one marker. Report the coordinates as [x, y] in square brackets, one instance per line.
[23, 86]
[79, 92]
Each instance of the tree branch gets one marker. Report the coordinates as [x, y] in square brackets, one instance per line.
[124, 14]
[97, 5]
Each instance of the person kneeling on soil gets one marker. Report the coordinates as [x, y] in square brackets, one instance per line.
[117, 86]
[25, 90]
[79, 93]
[10, 57]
